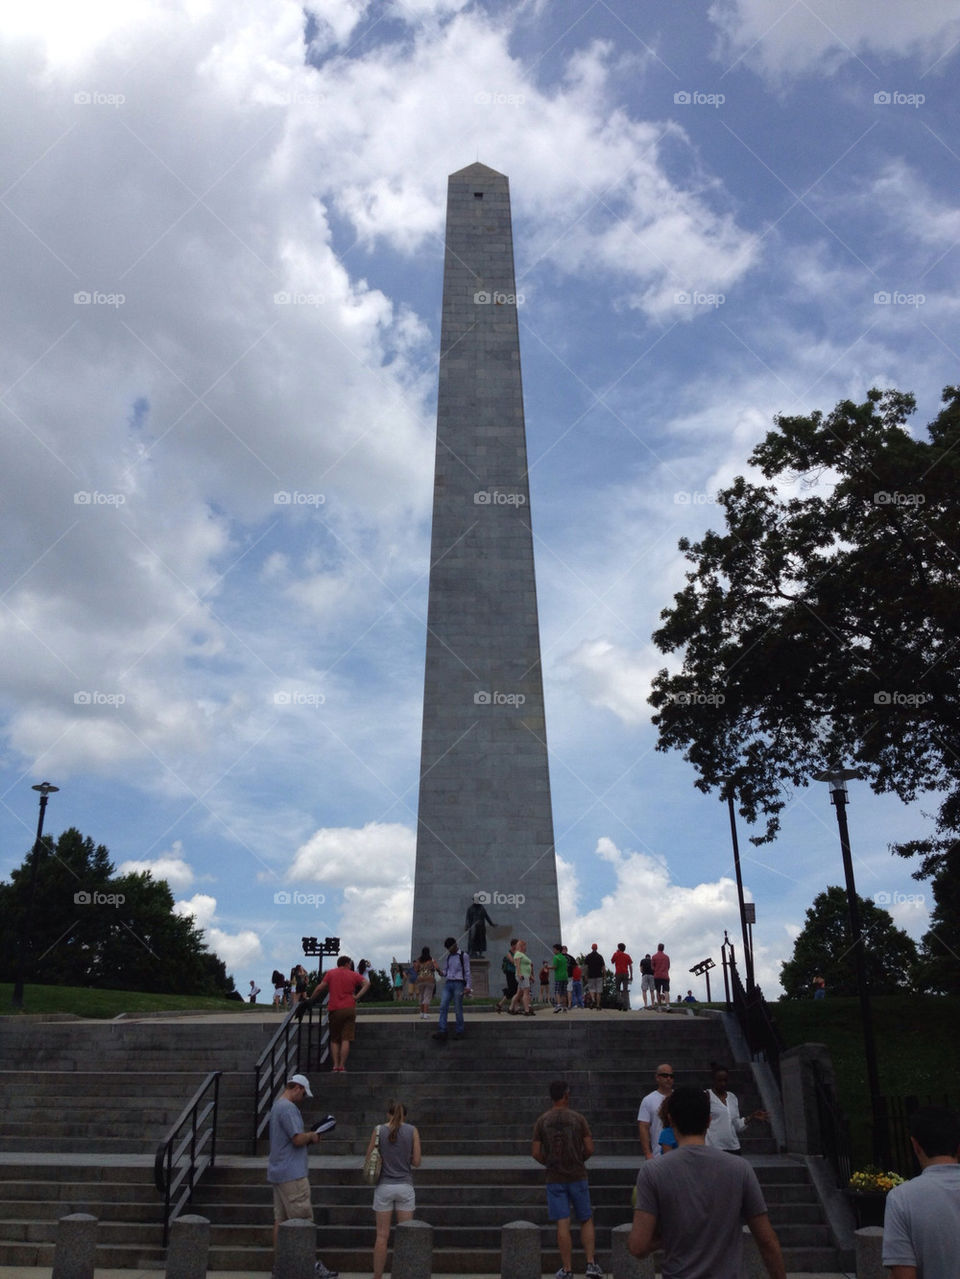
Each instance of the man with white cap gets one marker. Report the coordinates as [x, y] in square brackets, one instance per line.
[287, 1169]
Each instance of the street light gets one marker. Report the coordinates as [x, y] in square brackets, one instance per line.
[836, 779]
[747, 941]
[26, 919]
[313, 948]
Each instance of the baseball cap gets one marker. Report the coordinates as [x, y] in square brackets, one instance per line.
[303, 1081]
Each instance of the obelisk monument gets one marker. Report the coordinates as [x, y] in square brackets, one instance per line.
[485, 825]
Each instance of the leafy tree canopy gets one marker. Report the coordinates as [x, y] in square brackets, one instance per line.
[92, 927]
[824, 949]
[821, 626]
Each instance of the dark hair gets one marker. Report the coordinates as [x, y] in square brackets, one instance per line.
[425, 954]
[717, 1066]
[398, 1113]
[344, 962]
[559, 1089]
[689, 1111]
[277, 977]
[937, 1131]
[621, 945]
[449, 941]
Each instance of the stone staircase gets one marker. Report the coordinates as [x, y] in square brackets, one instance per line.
[80, 1129]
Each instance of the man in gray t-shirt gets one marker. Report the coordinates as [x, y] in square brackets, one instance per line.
[921, 1221]
[287, 1166]
[693, 1202]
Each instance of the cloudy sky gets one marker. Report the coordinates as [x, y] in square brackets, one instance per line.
[221, 231]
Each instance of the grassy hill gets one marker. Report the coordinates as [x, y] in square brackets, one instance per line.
[917, 1037]
[85, 1002]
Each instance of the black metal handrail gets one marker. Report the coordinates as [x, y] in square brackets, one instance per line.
[299, 1045]
[753, 1013]
[188, 1150]
[834, 1127]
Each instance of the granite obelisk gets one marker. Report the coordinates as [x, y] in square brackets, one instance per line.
[485, 824]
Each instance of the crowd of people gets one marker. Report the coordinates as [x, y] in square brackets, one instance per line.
[565, 982]
[693, 1191]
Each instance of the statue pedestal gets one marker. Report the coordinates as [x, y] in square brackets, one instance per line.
[480, 976]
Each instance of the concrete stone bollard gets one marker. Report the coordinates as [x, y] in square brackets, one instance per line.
[296, 1250]
[520, 1250]
[188, 1248]
[76, 1246]
[412, 1250]
[868, 1242]
[622, 1264]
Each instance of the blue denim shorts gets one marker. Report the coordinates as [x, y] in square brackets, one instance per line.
[566, 1197]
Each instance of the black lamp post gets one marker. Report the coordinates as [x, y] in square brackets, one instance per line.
[313, 948]
[747, 941]
[26, 919]
[836, 779]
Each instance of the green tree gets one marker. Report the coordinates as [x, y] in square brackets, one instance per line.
[824, 948]
[90, 927]
[821, 626]
[940, 955]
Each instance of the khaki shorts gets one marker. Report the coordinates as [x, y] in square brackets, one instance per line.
[291, 1200]
[343, 1025]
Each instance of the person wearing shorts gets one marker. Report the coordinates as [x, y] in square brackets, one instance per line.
[661, 975]
[562, 1143]
[524, 969]
[595, 966]
[399, 1144]
[647, 987]
[287, 1167]
[345, 987]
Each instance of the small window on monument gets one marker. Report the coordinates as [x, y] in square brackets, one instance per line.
[478, 195]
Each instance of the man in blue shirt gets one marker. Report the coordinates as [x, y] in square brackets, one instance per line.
[287, 1169]
[456, 972]
[921, 1222]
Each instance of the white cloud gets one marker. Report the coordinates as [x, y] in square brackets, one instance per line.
[235, 949]
[786, 37]
[646, 907]
[379, 853]
[201, 906]
[608, 675]
[169, 866]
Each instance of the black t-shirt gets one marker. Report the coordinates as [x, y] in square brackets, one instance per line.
[594, 964]
[646, 967]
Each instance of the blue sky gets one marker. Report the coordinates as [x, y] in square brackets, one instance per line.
[222, 233]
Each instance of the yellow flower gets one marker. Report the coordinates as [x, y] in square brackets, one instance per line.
[872, 1179]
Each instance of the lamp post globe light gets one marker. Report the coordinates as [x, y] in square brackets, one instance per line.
[836, 779]
[26, 919]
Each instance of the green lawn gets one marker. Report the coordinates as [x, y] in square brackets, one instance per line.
[917, 1038]
[86, 1002]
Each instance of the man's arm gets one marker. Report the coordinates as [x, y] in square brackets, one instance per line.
[587, 1139]
[536, 1150]
[305, 1138]
[769, 1245]
[644, 1237]
[643, 1132]
[903, 1272]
